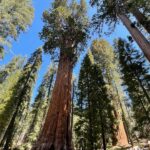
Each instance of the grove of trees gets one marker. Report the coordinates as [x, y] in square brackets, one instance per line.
[105, 105]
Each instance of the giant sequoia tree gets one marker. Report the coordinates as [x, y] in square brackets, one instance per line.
[21, 97]
[134, 71]
[109, 12]
[65, 33]
[94, 108]
[15, 16]
[105, 58]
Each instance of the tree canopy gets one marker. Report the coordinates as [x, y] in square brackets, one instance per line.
[65, 28]
[15, 17]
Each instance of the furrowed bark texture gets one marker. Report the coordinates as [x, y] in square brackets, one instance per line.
[121, 138]
[56, 132]
[121, 135]
[137, 35]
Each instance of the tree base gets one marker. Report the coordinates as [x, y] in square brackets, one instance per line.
[49, 147]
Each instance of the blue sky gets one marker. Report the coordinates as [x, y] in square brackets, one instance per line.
[29, 41]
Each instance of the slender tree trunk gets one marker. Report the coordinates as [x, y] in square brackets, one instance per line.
[90, 127]
[144, 108]
[72, 106]
[103, 136]
[142, 87]
[142, 19]
[102, 129]
[137, 35]
[56, 132]
[50, 84]
[144, 90]
[90, 117]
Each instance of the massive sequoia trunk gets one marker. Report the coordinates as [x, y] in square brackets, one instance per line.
[142, 19]
[56, 132]
[137, 35]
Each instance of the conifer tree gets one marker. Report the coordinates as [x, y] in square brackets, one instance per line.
[134, 70]
[104, 57]
[15, 17]
[110, 12]
[64, 33]
[94, 109]
[21, 96]
[84, 127]
[39, 108]
[134, 7]
[12, 66]
[9, 76]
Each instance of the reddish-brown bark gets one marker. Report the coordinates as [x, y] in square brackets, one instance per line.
[121, 135]
[56, 132]
[137, 35]
[120, 138]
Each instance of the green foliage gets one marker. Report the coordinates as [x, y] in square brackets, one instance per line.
[15, 16]
[39, 109]
[140, 4]
[65, 28]
[11, 72]
[106, 14]
[15, 63]
[104, 57]
[21, 97]
[107, 11]
[134, 70]
[94, 109]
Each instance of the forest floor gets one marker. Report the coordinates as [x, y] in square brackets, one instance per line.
[142, 145]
